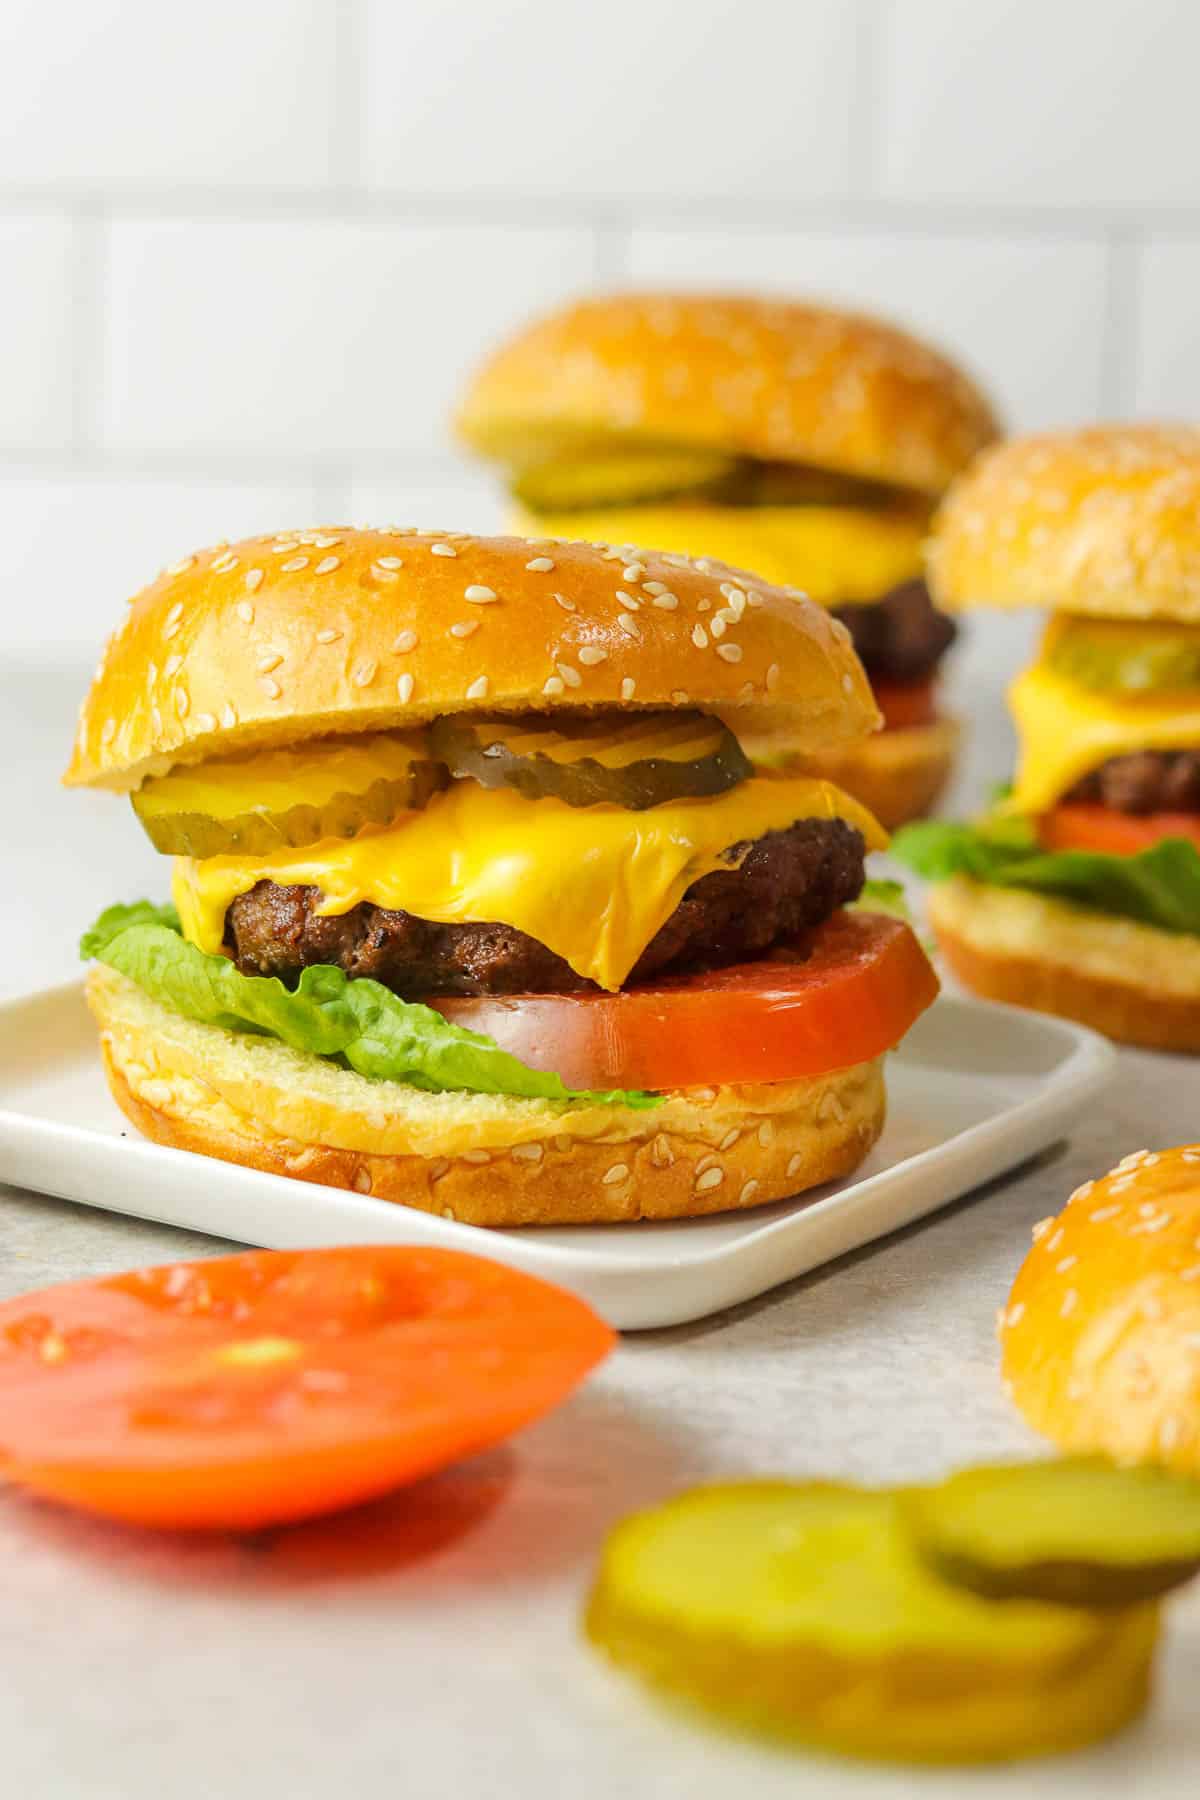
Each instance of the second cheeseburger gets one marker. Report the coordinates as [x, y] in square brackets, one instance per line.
[801, 442]
[479, 904]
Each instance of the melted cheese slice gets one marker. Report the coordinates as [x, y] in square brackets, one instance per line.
[838, 555]
[592, 883]
[1065, 731]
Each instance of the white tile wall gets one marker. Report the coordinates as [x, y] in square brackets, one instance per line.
[248, 251]
[1027, 315]
[628, 98]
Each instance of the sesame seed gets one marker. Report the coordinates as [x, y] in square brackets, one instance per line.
[766, 1136]
[552, 685]
[245, 612]
[590, 655]
[172, 665]
[1042, 1227]
[633, 571]
[327, 564]
[730, 653]
[699, 637]
[847, 684]
[704, 606]
[182, 702]
[406, 641]
[293, 564]
[478, 689]
[1149, 1225]
[666, 601]
[480, 596]
[1056, 1240]
[528, 1152]
[1192, 1274]
[362, 1181]
[464, 628]
[567, 605]
[222, 564]
[628, 688]
[364, 674]
[475, 1156]
[717, 623]
[680, 697]
[404, 688]
[228, 716]
[1147, 1209]
[254, 579]
[655, 587]
[1081, 1193]
[328, 636]
[175, 614]
[628, 623]
[442, 550]
[618, 1172]
[205, 722]
[390, 563]
[707, 1161]
[1068, 1262]
[730, 1139]
[628, 600]
[1069, 1303]
[571, 676]
[711, 1178]
[178, 568]
[1015, 1313]
[271, 688]
[748, 1192]
[772, 678]
[325, 543]
[541, 565]
[795, 1163]
[108, 731]
[269, 660]
[1102, 1213]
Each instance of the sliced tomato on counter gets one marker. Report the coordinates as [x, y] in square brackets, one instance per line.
[1092, 827]
[905, 703]
[257, 1389]
[844, 995]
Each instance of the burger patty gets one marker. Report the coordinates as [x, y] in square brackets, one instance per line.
[1149, 781]
[902, 637]
[787, 882]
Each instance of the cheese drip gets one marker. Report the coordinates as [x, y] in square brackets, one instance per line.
[594, 884]
[1066, 731]
[838, 555]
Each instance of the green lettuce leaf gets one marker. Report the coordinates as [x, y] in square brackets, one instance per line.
[359, 1022]
[1159, 886]
[883, 897]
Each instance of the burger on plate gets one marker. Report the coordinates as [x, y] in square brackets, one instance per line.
[1081, 895]
[805, 444]
[478, 903]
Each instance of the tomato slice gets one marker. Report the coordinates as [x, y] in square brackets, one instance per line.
[277, 1385]
[1114, 833]
[905, 703]
[845, 994]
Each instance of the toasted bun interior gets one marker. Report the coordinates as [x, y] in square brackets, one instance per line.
[1103, 521]
[781, 380]
[898, 775]
[1130, 981]
[273, 640]
[481, 1158]
[1101, 1334]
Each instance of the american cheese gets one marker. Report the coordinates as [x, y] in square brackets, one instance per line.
[1066, 730]
[593, 883]
[837, 554]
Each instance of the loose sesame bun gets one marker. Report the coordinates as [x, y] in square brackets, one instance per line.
[898, 775]
[1104, 521]
[273, 640]
[1101, 1334]
[484, 1159]
[1129, 981]
[778, 380]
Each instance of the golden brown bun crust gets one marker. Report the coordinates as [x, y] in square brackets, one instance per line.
[1101, 1334]
[1103, 521]
[1130, 982]
[482, 1159]
[897, 775]
[275, 639]
[781, 380]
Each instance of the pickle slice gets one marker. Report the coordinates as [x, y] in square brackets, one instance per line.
[618, 477]
[1115, 656]
[805, 1611]
[329, 788]
[634, 760]
[1080, 1533]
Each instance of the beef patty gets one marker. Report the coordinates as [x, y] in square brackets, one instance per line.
[1149, 781]
[787, 882]
[901, 637]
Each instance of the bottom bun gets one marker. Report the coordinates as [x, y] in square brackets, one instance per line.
[485, 1159]
[897, 775]
[1129, 981]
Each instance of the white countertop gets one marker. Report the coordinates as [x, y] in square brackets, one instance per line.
[430, 1646]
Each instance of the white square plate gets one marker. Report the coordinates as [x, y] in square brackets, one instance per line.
[973, 1091]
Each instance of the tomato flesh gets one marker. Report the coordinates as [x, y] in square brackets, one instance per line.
[845, 994]
[1091, 827]
[905, 703]
[257, 1389]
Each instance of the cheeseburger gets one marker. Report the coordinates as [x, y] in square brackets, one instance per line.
[806, 444]
[1081, 896]
[478, 903]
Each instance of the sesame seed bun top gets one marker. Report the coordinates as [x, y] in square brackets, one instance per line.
[1104, 521]
[273, 640]
[1101, 1334]
[782, 381]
